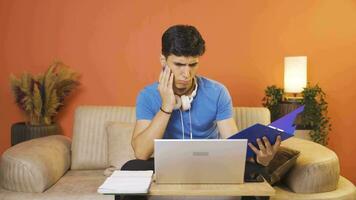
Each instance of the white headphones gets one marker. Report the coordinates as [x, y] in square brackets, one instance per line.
[185, 101]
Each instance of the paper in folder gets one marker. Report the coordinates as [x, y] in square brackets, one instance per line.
[283, 126]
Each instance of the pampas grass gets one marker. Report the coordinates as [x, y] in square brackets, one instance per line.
[42, 96]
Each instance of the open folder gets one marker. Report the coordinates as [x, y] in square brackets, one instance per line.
[283, 126]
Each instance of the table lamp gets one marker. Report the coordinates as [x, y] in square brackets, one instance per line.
[295, 77]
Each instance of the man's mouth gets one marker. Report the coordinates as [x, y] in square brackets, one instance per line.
[183, 82]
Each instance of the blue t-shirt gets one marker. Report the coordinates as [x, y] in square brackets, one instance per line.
[212, 103]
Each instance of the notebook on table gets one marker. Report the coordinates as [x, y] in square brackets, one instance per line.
[127, 182]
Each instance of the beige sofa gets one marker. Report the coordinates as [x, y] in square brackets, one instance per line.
[57, 167]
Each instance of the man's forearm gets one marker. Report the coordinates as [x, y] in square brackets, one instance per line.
[143, 143]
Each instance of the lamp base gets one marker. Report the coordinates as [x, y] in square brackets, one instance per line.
[293, 99]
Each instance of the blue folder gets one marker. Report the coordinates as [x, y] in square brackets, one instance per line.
[283, 126]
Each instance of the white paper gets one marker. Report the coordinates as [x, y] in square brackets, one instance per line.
[127, 182]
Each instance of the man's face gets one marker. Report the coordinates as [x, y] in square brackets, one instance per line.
[184, 70]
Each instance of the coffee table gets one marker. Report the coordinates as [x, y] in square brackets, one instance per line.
[261, 189]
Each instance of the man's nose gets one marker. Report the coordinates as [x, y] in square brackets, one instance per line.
[186, 71]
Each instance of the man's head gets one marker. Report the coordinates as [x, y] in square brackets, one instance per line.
[182, 45]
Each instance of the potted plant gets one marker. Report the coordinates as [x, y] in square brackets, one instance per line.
[41, 97]
[272, 100]
[315, 113]
[314, 117]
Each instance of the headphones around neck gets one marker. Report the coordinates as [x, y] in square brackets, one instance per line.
[185, 101]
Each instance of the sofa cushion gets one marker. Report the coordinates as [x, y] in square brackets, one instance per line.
[317, 168]
[79, 185]
[89, 147]
[248, 116]
[345, 190]
[282, 162]
[120, 151]
[35, 165]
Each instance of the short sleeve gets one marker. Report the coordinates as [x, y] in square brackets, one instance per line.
[144, 107]
[224, 105]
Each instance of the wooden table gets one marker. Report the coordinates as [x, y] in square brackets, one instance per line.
[260, 189]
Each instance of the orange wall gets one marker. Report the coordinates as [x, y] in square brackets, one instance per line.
[115, 45]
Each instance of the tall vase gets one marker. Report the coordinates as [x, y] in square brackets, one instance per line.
[21, 131]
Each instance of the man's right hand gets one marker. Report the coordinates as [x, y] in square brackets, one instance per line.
[165, 88]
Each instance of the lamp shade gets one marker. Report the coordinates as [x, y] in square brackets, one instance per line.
[295, 74]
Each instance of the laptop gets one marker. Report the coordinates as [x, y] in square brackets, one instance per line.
[200, 160]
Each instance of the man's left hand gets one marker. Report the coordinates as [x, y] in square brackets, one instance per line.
[265, 151]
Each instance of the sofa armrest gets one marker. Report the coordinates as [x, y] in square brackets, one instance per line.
[35, 165]
[317, 168]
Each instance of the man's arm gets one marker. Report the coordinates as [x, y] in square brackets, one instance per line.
[227, 127]
[146, 131]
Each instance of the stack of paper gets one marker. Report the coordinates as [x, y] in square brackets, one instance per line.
[127, 182]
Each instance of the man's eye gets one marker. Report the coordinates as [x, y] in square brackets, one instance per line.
[183, 65]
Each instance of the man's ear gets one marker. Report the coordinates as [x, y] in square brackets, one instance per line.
[163, 60]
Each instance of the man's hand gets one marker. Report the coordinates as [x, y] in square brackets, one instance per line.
[265, 152]
[165, 88]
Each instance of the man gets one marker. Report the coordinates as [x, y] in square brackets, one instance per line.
[184, 105]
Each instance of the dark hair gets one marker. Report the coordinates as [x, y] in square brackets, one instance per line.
[182, 40]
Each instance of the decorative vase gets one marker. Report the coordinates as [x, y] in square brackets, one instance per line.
[21, 131]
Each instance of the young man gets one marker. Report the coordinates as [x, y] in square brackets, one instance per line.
[184, 105]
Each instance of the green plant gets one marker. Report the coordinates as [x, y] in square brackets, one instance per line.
[314, 116]
[273, 98]
[42, 96]
[315, 113]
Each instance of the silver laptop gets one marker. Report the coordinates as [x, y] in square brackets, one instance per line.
[200, 161]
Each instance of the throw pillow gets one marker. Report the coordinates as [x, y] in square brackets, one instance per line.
[120, 151]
